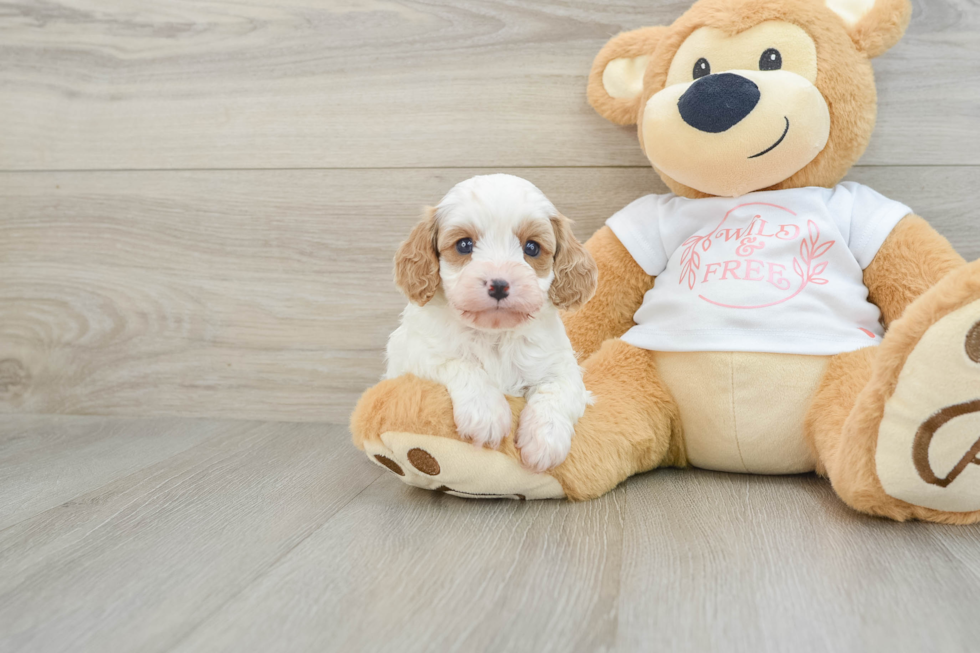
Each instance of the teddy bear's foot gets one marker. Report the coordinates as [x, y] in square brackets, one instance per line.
[928, 450]
[459, 468]
[926, 392]
[406, 425]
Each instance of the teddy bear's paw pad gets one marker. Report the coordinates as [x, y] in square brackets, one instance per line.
[459, 468]
[929, 440]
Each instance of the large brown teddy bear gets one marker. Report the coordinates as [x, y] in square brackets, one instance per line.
[763, 318]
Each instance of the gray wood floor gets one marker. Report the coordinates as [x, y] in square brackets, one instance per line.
[199, 201]
[168, 534]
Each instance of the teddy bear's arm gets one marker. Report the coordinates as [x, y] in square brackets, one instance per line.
[622, 284]
[912, 259]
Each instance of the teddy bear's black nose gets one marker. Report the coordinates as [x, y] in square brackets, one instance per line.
[716, 103]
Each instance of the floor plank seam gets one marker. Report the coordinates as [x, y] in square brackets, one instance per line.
[189, 418]
[474, 166]
[624, 518]
[952, 553]
[272, 565]
[135, 472]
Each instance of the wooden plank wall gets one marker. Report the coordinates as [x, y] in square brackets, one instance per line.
[199, 200]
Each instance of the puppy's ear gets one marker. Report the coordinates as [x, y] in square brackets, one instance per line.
[873, 25]
[616, 80]
[576, 274]
[417, 261]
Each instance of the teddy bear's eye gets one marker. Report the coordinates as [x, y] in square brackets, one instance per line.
[701, 68]
[771, 60]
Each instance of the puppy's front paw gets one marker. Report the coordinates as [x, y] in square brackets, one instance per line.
[483, 419]
[544, 437]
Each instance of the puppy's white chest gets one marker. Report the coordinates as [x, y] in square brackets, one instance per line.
[506, 362]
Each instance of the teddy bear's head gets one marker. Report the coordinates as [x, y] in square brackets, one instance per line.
[744, 95]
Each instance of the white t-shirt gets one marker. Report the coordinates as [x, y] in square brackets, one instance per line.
[773, 271]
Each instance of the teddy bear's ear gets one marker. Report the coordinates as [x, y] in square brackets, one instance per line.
[874, 25]
[616, 80]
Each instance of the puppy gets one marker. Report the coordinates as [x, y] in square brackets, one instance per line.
[487, 272]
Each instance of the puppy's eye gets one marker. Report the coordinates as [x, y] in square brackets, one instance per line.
[771, 60]
[464, 245]
[532, 249]
[701, 68]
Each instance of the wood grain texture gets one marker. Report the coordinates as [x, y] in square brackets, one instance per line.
[402, 83]
[47, 460]
[409, 570]
[260, 294]
[140, 562]
[708, 562]
[780, 564]
[283, 538]
[243, 173]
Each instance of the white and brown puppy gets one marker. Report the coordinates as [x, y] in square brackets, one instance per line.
[487, 272]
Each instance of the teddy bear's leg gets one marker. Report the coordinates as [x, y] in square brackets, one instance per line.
[633, 425]
[406, 425]
[896, 428]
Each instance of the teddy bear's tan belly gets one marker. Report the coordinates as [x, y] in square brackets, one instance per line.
[744, 411]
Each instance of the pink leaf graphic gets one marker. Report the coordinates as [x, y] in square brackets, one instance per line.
[805, 251]
[814, 231]
[822, 249]
[690, 261]
[819, 268]
[797, 268]
[689, 249]
[819, 282]
[706, 244]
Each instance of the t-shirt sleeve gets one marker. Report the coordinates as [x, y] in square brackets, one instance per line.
[873, 216]
[638, 227]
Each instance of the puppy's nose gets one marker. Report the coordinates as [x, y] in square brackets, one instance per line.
[498, 289]
[716, 103]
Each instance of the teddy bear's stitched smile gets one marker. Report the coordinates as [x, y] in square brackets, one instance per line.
[776, 144]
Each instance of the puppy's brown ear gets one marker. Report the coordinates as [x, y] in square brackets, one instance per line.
[576, 274]
[417, 261]
[616, 80]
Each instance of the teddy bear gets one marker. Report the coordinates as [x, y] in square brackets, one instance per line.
[764, 317]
